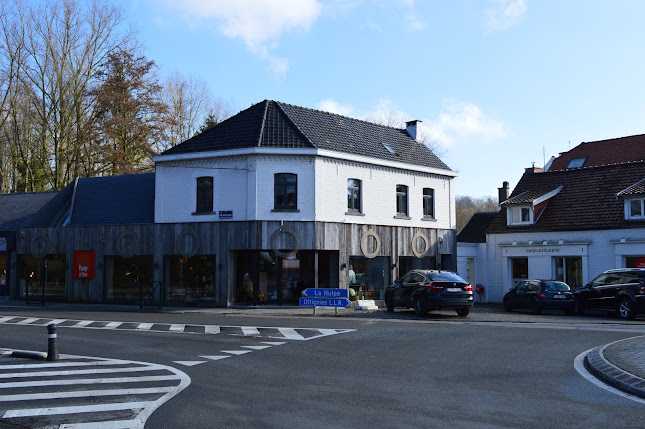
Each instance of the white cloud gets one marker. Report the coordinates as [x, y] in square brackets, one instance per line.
[507, 14]
[463, 120]
[258, 23]
[333, 106]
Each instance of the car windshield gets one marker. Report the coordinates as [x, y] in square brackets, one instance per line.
[556, 286]
[445, 277]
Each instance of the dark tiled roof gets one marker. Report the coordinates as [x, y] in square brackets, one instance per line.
[604, 152]
[15, 209]
[636, 189]
[272, 124]
[475, 229]
[111, 200]
[586, 201]
[527, 197]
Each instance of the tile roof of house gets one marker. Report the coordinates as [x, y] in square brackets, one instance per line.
[635, 189]
[15, 209]
[110, 200]
[588, 199]
[527, 197]
[475, 229]
[604, 152]
[271, 124]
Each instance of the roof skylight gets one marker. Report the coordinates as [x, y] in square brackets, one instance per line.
[576, 162]
[389, 148]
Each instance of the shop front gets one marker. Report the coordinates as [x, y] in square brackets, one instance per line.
[190, 280]
[42, 278]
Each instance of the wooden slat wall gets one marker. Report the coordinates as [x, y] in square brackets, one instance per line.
[221, 239]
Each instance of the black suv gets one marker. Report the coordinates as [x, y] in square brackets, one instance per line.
[621, 291]
[426, 290]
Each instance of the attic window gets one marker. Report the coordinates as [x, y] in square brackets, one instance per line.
[389, 148]
[576, 162]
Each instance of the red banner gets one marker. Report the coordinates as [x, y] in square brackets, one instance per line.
[83, 265]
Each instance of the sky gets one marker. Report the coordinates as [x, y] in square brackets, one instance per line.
[499, 85]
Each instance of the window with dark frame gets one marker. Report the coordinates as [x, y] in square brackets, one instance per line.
[204, 195]
[285, 191]
[354, 195]
[428, 202]
[401, 200]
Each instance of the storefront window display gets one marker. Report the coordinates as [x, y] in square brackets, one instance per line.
[43, 277]
[635, 261]
[124, 278]
[190, 280]
[569, 270]
[369, 277]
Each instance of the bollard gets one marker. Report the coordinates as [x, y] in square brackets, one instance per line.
[52, 348]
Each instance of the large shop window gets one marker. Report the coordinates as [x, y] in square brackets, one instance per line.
[408, 263]
[125, 278]
[286, 191]
[635, 261]
[190, 281]
[519, 270]
[369, 277]
[43, 275]
[569, 270]
[204, 195]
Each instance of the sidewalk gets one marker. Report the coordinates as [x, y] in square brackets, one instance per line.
[620, 364]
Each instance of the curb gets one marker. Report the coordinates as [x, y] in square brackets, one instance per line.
[598, 365]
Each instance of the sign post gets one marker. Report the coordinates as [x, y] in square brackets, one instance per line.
[325, 297]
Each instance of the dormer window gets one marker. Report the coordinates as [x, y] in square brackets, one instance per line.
[576, 163]
[635, 209]
[520, 215]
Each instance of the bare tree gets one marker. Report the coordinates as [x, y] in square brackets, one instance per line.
[466, 207]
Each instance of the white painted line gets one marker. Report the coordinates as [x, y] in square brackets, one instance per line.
[274, 343]
[115, 424]
[215, 357]
[189, 362]
[81, 372]
[250, 330]
[579, 365]
[290, 334]
[5, 318]
[81, 324]
[236, 352]
[28, 321]
[85, 393]
[211, 329]
[177, 328]
[55, 322]
[117, 380]
[30, 412]
[113, 325]
[145, 326]
[62, 364]
[256, 347]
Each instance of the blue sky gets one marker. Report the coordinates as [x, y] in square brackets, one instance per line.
[498, 84]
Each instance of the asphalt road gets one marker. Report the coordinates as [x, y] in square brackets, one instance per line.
[379, 370]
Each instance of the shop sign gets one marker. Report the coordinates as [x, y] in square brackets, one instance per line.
[83, 265]
[226, 214]
[3, 244]
[543, 250]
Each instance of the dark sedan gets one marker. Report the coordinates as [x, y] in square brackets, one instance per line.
[427, 290]
[538, 295]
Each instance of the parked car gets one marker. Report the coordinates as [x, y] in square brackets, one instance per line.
[620, 291]
[427, 290]
[538, 295]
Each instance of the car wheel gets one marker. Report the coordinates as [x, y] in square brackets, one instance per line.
[578, 307]
[389, 304]
[419, 308]
[626, 309]
[536, 308]
[507, 306]
[463, 312]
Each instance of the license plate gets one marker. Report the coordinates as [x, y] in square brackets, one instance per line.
[559, 296]
[453, 289]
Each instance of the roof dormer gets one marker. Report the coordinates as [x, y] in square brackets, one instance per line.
[526, 207]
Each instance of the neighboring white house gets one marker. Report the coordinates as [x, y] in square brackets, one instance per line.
[569, 224]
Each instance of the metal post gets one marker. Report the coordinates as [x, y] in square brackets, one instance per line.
[315, 274]
[52, 348]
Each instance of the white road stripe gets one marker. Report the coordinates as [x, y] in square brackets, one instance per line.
[211, 329]
[85, 393]
[81, 323]
[28, 321]
[274, 343]
[145, 326]
[290, 334]
[177, 328]
[80, 372]
[256, 347]
[20, 384]
[113, 325]
[250, 330]
[62, 364]
[55, 322]
[5, 318]
[236, 352]
[115, 424]
[30, 412]
[215, 357]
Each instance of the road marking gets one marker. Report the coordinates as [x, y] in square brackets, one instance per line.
[82, 323]
[189, 362]
[579, 365]
[78, 372]
[113, 325]
[290, 334]
[114, 424]
[117, 380]
[215, 357]
[256, 347]
[250, 330]
[274, 343]
[61, 364]
[30, 412]
[5, 318]
[210, 329]
[236, 352]
[177, 328]
[27, 321]
[84, 393]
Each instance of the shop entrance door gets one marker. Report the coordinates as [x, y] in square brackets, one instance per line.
[519, 270]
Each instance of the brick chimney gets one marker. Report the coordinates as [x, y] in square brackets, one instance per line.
[532, 169]
[502, 193]
[411, 128]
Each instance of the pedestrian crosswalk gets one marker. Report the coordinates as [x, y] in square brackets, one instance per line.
[83, 392]
[296, 334]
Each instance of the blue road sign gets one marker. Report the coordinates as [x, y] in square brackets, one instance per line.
[324, 302]
[326, 293]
